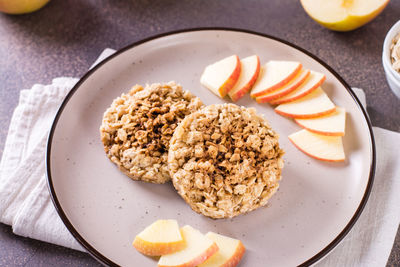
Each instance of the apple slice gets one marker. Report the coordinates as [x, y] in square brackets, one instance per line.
[230, 251]
[322, 147]
[286, 89]
[160, 238]
[221, 76]
[250, 68]
[331, 124]
[314, 80]
[312, 105]
[274, 74]
[198, 249]
[343, 15]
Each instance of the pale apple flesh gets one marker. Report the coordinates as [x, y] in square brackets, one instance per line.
[331, 124]
[160, 238]
[221, 76]
[198, 249]
[313, 81]
[275, 74]
[343, 15]
[321, 147]
[286, 89]
[21, 6]
[315, 104]
[250, 69]
[230, 251]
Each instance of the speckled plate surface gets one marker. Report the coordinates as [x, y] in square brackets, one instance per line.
[315, 207]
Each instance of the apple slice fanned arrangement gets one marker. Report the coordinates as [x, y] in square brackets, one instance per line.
[312, 109]
[187, 246]
[297, 92]
[303, 99]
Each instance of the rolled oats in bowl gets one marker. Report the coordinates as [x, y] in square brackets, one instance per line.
[137, 128]
[395, 53]
[225, 160]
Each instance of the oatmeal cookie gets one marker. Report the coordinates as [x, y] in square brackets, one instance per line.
[137, 128]
[225, 160]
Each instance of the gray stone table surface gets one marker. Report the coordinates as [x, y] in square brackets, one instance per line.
[66, 36]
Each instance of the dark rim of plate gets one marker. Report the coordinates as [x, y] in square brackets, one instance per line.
[104, 260]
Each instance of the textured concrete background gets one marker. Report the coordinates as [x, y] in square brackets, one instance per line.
[65, 37]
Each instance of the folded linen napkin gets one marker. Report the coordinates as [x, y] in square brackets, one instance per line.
[24, 198]
[26, 205]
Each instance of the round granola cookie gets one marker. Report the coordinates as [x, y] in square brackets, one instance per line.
[225, 160]
[137, 128]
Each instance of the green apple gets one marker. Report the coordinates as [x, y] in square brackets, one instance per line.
[21, 6]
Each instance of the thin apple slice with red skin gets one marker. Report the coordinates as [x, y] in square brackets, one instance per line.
[321, 147]
[230, 251]
[313, 81]
[313, 105]
[332, 124]
[286, 89]
[274, 74]
[250, 68]
[198, 249]
[160, 238]
[221, 76]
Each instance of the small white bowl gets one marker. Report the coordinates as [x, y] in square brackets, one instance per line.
[392, 76]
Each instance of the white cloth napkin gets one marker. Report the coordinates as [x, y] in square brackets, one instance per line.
[24, 198]
[26, 205]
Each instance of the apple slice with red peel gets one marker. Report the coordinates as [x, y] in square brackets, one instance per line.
[315, 104]
[221, 76]
[230, 251]
[322, 147]
[160, 238]
[250, 68]
[286, 89]
[331, 124]
[274, 74]
[313, 81]
[198, 249]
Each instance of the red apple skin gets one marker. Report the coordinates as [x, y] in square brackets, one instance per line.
[282, 101]
[270, 97]
[305, 116]
[198, 260]
[237, 256]
[312, 156]
[280, 84]
[320, 132]
[231, 81]
[239, 94]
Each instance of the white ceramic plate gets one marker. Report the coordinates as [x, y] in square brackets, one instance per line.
[315, 207]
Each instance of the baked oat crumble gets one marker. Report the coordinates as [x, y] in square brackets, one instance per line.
[225, 160]
[137, 128]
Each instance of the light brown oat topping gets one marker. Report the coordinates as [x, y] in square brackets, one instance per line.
[225, 160]
[137, 128]
[395, 53]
